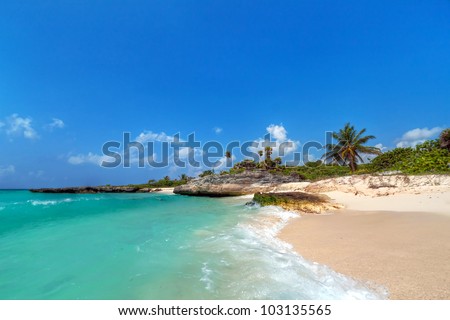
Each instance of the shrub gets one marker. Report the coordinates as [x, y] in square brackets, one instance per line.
[314, 164]
[391, 160]
[206, 173]
[427, 157]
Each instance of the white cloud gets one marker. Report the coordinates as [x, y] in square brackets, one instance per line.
[415, 136]
[148, 136]
[143, 138]
[56, 124]
[282, 142]
[87, 158]
[279, 133]
[20, 126]
[381, 147]
[184, 153]
[218, 130]
[7, 170]
[369, 157]
[278, 136]
[2, 124]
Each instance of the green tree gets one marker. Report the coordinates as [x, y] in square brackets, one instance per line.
[277, 161]
[349, 147]
[206, 173]
[268, 151]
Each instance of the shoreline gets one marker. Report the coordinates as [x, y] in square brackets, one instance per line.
[400, 242]
[164, 191]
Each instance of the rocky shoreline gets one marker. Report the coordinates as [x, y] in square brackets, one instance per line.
[99, 189]
[260, 181]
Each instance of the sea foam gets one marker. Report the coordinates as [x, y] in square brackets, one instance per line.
[258, 265]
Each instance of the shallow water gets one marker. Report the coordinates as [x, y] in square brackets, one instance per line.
[154, 246]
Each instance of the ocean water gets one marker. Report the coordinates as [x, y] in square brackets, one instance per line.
[154, 246]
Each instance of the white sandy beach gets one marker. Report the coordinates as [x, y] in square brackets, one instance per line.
[397, 237]
[165, 190]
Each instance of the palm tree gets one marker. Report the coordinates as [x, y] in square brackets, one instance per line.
[277, 161]
[349, 147]
[268, 151]
[268, 163]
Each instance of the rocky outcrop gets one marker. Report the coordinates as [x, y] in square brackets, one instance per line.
[100, 189]
[297, 201]
[248, 182]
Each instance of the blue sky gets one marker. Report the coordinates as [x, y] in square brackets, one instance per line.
[75, 74]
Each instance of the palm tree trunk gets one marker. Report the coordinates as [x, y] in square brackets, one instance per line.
[352, 165]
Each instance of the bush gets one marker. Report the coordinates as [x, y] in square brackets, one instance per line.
[236, 170]
[391, 160]
[315, 172]
[427, 157]
[206, 173]
[427, 160]
[314, 164]
[165, 183]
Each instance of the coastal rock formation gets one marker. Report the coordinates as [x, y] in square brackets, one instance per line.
[380, 185]
[297, 201]
[248, 182]
[372, 185]
[100, 189]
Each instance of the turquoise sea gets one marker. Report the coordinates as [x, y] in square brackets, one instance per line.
[154, 246]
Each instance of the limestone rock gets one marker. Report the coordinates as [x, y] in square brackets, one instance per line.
[297, 201]
[248, 182]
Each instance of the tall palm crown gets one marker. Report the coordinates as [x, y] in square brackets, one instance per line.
[268, 151]
[349, 147]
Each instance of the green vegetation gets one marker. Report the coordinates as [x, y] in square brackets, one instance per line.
[297, 201]
[391, 160]
[427, 157]
[268, 199]
[314, 172]
[350, 144]
[206, 173]
[444, 139]
[432, 156]
[166, 182]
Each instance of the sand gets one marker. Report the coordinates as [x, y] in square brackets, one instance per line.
[400, 242]
[166, 190]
